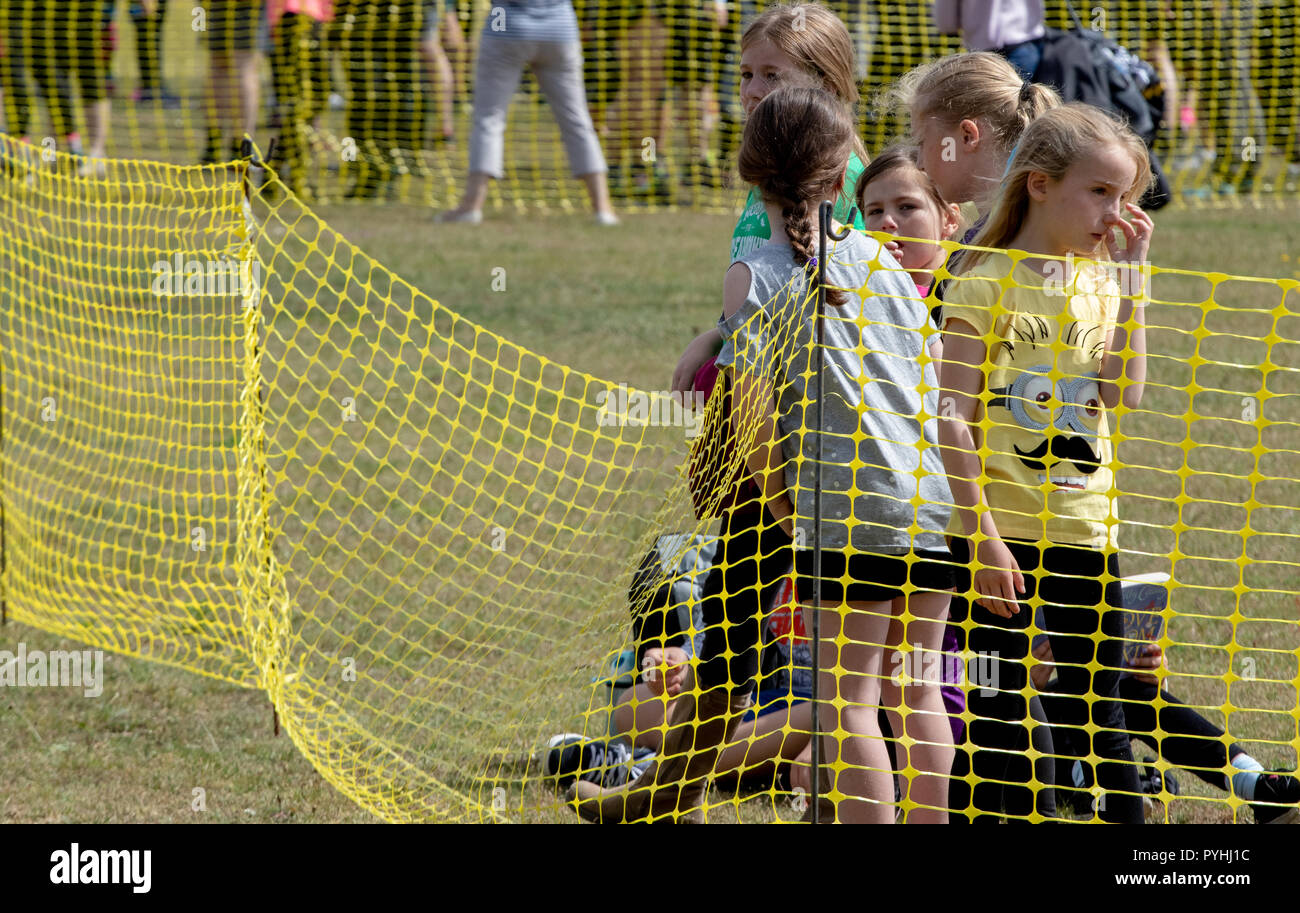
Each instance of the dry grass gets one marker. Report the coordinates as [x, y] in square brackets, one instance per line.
[619, 304]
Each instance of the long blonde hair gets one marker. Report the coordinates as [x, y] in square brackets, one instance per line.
[819, 43]
[975, 86]
[1052, 144]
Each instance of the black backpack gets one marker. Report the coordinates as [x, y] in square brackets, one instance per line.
[1084, 65]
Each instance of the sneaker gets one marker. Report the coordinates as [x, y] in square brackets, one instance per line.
[606, 218]
[143, 96]
[1153, 782]
[473, 217]
[568, 757]
[92, 166]
[561, 757]
[1282, 788]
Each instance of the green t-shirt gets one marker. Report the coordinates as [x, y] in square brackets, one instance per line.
[753, 229]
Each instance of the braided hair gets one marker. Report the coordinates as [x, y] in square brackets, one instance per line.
[796, 146]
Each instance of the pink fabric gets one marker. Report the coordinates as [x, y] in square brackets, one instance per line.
[707, 377]
[705, 380]
[320, 10]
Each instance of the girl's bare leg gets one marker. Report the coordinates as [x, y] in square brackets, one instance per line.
[854, 673]
[758, 744]
[924, 718]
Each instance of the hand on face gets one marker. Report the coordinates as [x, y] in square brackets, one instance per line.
[893, 203]
[1137, 242]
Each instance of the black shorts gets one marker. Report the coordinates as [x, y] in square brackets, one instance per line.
[76, 41]
[872, 577]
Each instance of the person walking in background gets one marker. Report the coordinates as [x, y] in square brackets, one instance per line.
[441, 38]
[147, 16]
[542, 35]
[234, 86]
[300, 69]
[1012, 28]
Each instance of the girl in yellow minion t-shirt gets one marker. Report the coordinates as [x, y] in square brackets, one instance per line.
[1036, 353]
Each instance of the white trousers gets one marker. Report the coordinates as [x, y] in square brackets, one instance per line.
[558, 68]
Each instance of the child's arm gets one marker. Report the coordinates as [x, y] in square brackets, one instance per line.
[698, 351]
[766, 462]
[1131, 278]
[753, 404]
[998, 578]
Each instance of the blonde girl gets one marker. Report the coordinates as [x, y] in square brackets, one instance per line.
[967, 112]
[1041, 362]
[802, 44]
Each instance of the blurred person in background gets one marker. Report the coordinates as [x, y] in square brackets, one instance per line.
[147, 16]
[301, 73]
[232, 28]
[1012, 28]
[542, 35]
[440, 39]
[379, 45]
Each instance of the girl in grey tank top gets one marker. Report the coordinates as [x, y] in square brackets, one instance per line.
[885, 582]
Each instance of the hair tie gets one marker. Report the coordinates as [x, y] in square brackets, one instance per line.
[1026, 88]
[1011, 159]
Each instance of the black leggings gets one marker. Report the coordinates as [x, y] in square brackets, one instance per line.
[1000, 734]
[148, 45]
[753, 559]
[1190, 741]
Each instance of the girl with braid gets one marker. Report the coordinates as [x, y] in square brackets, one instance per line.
[885, 501]
[801, 44]
[885, 578]
[884, 497]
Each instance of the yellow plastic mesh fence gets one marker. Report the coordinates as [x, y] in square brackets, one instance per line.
[373, 99]
[235, 443]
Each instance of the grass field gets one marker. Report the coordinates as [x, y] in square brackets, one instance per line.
[619, 304]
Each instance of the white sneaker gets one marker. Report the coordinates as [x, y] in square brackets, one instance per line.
[473, 217]
[606, 218]
[92, 167]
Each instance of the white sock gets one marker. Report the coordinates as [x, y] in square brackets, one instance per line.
[1248, 771]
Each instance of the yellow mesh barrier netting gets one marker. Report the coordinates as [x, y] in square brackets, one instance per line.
[235, 443]
[373, 100]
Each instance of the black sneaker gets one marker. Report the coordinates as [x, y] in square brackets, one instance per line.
[1153, 782]
[570, 757]
[1281, 788]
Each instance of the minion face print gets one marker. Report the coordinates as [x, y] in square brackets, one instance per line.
[1051, 423]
